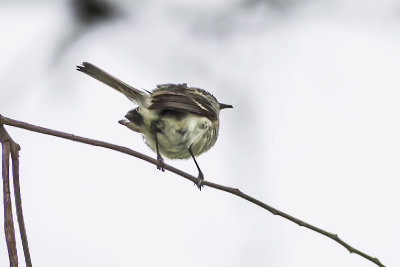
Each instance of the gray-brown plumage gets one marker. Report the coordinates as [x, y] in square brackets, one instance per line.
[176, 121]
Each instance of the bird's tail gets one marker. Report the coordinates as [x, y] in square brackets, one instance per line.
[133, 94]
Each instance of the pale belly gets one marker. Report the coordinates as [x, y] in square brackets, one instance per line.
[174, 140]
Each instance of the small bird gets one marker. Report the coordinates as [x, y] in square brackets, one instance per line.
[176, 121]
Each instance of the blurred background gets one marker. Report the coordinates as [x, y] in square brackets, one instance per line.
[314, 131]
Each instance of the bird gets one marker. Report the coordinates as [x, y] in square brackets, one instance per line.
[176, 121]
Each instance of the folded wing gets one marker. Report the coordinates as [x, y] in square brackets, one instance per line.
[178, 97]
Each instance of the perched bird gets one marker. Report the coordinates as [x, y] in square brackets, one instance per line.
[175, 120]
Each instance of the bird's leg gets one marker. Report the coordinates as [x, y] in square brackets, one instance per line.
[159, 158]
[200, 177]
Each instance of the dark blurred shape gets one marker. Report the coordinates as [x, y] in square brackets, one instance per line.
[91, 12]
[86, 14]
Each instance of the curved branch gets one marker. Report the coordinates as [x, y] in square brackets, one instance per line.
[18, 202]
[234, 191]
[14, 149]
[8, 218]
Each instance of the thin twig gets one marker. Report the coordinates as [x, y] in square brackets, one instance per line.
[14, 149]
[8, 219]
[18, 202]
[231, 190]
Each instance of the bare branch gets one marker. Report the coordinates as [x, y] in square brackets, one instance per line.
[231, 190]
[14, 149]
[18, 202]
[8, 219]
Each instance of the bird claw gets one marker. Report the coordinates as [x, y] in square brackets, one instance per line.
[200, 179]
[160, 163]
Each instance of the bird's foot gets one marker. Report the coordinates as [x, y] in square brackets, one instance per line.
[200, 179]
[160, 164]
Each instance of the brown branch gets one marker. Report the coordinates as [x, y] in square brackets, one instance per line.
[8, 219]
[231, 190]
[18, 202]
[14, 149]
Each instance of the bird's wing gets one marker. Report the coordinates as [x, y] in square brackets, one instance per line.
[132, 93]
[178, 97]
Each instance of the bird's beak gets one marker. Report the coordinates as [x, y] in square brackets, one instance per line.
[222, 106]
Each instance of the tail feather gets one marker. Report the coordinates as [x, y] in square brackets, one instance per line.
[130, 92]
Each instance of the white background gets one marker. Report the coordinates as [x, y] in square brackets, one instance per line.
[314, 132]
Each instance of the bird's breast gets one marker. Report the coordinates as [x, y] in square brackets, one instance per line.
[176, 136]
